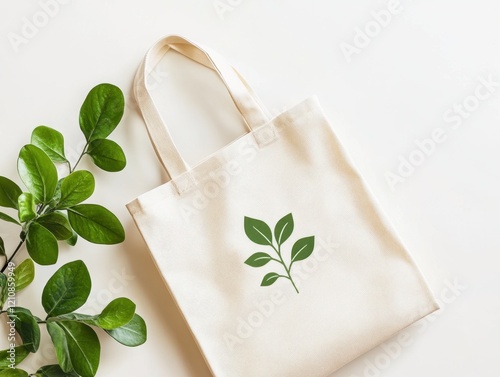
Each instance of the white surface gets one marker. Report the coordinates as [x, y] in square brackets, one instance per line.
[397, 89]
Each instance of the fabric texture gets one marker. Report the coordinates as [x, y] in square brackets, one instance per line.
[282, 206]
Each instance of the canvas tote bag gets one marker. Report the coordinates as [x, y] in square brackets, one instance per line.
[273, 248]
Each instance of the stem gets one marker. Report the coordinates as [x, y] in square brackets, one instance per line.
[278, 251]
[84, 152]
[13, 254]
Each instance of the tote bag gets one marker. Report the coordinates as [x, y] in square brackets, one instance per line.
[273, 248]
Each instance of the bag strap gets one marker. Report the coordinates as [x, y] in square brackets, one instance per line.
[242, 95]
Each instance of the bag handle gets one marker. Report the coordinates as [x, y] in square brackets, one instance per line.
[242, 95]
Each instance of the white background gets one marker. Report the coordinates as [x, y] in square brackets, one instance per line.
[397, 89]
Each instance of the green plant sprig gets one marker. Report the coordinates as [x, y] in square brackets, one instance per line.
[52, 210]
[260, 233]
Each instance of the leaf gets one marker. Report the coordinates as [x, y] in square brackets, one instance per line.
[269, 279]
[283, 229]
[117, 313]
[38, 173]
[258, 231]
[27, 208]
[73, 239]
[53, 371]
[3, 287]
[7, 218]
[258, 259]
[75, 188]
[80, 343]
[77, 317]
[21, 352]
[24, 274]
[13, 373]
[101, 111]
[9, 192]
[26, 326]
[107, 155]
[132, 334]
[57, 224]
[58, 337]
[67, 290]
[50, 141]
[57, 195]
[96, 224]
[42, 245]
[302, 249]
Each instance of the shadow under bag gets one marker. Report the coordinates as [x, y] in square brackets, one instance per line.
[273, 247]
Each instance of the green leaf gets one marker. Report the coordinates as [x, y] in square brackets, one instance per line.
[96, 224]
[101, 111]
[24, 274]
[67, 290]
[57, 224]
[117, 313]
[2, 248]
[77, 317]
[258, 259]
[73, 239]
[21, 352]
[13, 373]
[7, 218]
[42, 245]
[3, 287]
[27, 207]
[302, 249]
[54, 371]
[50, 141]
[57, 195]
[9, 192]
[80, 343]
[269, 279]
[38, 173]
[107, 155]
[258, 231]
[75, 188]
[283, 229]
[26, 326]
[132, 334]
[58, 337]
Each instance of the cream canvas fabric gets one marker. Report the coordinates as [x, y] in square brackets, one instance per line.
[273, 248]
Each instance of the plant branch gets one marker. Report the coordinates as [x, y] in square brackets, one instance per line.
[84, 152]
[289, 276]
[13, 254]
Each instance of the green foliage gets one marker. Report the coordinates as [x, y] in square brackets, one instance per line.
[26, 326]
[96, 224]
[132, 334]
[41, 245]
[107, 155]
[13, 372]
[52, 209]
[75, 188]
[50, 141]
[27, 208]
[37, 172]
[67, 290]
[24, 274]
[101, 112]
[53, 371]
[260, 233]
[9, 192]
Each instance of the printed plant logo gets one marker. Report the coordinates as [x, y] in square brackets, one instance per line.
[260, 233]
